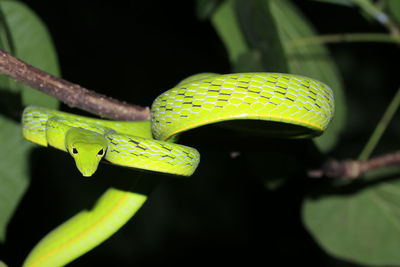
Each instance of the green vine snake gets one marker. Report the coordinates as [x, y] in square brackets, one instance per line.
[291, 106]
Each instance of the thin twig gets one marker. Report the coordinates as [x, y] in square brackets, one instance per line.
[352, 169]
[379, 15]
[381, 127]
[345, 37]
[70, 93]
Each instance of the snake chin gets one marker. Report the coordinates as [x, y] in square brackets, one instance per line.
[86, 172]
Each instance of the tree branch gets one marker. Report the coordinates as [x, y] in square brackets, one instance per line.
[70, 93]
[352, 169]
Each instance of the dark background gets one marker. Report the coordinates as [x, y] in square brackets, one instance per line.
[224, 214]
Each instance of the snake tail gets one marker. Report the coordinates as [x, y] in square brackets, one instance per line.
[85, 230]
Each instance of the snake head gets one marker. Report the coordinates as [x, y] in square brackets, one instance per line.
[87, 157]
[87, 148]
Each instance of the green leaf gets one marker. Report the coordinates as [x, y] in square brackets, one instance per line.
[339, 2]
[226, 24]
[205, 8]
[14, 175]
[260, 31]
[32, 43]
[394, 8]
[24, 35]
[2, 264]
[361, 226]
[248, 62]
[247, 30]
[311, 60]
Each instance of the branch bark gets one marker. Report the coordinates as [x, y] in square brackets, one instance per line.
[353, 169]
[70, 93]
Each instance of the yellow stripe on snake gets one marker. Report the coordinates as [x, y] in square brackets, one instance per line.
[290, 106]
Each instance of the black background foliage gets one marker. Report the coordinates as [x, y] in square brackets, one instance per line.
[133, 51]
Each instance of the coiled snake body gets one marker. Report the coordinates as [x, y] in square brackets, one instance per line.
[292, 106]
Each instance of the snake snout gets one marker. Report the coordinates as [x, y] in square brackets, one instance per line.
[87, 173]
[85, 168]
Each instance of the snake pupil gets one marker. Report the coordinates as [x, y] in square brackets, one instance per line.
[74, 151]
[101, 152]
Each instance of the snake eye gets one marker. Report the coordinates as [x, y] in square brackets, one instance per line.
[101, 152]
[74, 151]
